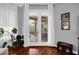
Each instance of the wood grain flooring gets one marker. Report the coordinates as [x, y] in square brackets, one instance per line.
[34, 50]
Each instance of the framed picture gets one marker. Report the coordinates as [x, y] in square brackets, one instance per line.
[65, 25]
[65, 16]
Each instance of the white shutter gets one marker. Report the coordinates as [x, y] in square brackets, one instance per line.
[8, 16]
[1, 17]
[12, 19]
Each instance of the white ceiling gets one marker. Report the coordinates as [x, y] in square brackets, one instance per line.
[21, 4]
[18, 4]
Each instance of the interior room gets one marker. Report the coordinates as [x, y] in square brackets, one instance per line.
[39, 28]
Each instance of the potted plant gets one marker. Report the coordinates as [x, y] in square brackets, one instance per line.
[19, 42]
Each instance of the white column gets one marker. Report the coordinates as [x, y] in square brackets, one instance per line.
[51, 33]
[26, 25]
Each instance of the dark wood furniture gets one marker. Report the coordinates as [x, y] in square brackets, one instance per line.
[78, 45]
[65, 48]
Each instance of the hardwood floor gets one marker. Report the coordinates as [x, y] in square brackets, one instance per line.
[34, 50]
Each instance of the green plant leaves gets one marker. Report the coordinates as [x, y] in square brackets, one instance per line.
[14, 30]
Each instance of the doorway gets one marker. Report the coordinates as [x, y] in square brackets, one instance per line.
[38, 27]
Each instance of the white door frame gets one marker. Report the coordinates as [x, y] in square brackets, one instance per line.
[51, 38]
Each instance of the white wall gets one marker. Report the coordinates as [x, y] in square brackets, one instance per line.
[20, 17]
[69, 36]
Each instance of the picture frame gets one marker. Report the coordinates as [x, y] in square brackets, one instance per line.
[65, 16]
[65, 25]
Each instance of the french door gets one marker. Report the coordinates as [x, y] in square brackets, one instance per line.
[38, 27]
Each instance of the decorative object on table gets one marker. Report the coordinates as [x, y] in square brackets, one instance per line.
[65, 21]
[65, 16]
[1, 32]
[65, 25]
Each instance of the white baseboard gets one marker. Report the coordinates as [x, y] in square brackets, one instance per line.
[25, 45]
[53, 45]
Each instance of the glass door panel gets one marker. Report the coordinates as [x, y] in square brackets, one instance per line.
[33, 35]
[44, 28]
